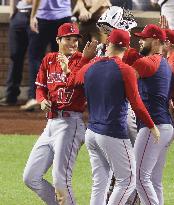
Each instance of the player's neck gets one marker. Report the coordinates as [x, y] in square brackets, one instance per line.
[114, 54]
[67, 55]
[158, 50]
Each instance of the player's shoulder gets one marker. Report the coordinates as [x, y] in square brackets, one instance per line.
[131, 51]
[152, 61]
[79, 80]
[125, 69]
[97, 59]
[171, 61]
[76, 56]
[131, 55]
[171, 58]
[121, 64]
[148, 65]
[51, 56]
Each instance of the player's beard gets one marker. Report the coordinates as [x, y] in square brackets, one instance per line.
[145, 51]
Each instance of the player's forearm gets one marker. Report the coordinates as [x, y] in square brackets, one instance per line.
[35, 7]
[41, 94]
[139, 107]
[130, 56]
[131, 88]
[142, 113]
[83, 61]
[72, 75]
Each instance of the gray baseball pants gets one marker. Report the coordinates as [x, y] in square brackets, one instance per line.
[132, 127]
[57, 146]
[150, 160]
[108, 153]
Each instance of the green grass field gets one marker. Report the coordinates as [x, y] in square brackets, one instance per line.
[14, 151]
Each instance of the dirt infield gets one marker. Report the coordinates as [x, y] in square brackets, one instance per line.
[15, 121]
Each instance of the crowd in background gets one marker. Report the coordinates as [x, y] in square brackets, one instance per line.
[33, 26]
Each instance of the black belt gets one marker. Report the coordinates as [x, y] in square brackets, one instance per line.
[61, 113]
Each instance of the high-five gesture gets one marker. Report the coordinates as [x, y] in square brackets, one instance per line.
[163, 22]
[90, 49]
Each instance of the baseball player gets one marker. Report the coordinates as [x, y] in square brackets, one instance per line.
[170, 47]
[169, 50]
[117, 17]
[63, 136]
[154, 86]
[108, 82]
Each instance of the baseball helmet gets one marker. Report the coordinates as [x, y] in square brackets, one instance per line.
[116, 17]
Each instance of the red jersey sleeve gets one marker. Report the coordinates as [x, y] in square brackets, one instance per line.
[75, 69]
[41, 81]
[131, 89]
[130, 56]
[79, 79]
[147, 66]
[171, 61]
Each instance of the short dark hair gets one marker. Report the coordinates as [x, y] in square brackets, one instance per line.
[119, 48]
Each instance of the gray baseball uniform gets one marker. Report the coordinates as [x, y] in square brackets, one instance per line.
[58, 146]
[150, 160]
[64, 133]
[154, 88]
[106, 87]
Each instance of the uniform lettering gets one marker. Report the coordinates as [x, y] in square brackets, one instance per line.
[56, 77]
[64, 95]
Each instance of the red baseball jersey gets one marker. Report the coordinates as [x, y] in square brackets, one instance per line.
[171, 61]
[130, 56]
[53, 84]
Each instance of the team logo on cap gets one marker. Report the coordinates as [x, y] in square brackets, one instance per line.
[72, 29]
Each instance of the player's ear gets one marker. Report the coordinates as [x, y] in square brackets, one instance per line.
[156, 42]
[57, 40]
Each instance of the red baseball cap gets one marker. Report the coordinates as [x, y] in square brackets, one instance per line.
[170, 35]
[119, 37]
[68, 29]
[152, 31]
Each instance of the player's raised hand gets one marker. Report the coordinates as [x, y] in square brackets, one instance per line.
[63, 60]
[90, 49]
[155, 133]
[163, 22]
[46, 105]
